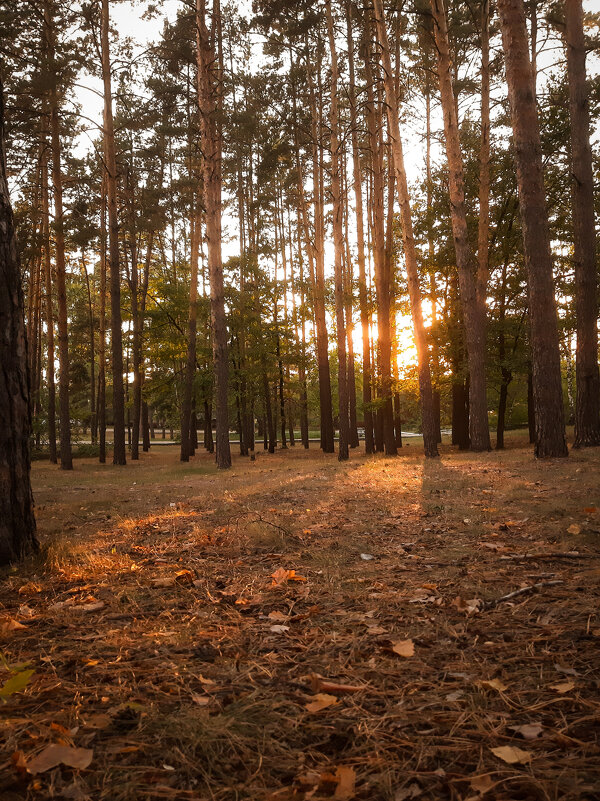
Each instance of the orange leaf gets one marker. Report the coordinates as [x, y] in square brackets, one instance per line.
[512, 755]
[346, 779]
[320, 701]
[404, 648]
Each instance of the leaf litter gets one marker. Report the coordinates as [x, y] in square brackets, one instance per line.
[240, 652]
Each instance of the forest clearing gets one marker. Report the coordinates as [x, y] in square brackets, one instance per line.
[171, 640]
[299, 400]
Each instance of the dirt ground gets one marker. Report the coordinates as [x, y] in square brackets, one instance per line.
[301, 629]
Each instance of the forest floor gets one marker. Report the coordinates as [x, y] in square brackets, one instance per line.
[300, 629]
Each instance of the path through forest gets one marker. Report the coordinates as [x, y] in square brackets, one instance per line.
[299, 628]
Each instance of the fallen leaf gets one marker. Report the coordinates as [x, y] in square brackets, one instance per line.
[374, 630]
[482, 784]
[16, 683]
[54, 755]
[366, 557]
[566, 670]
[201, 700]
[589, 510]
[574, 529]
[278, 628]
[184, 577]
[320, 701]
[19, 762]
[563, 687]
[8, 624]
[404, 648]
[277, 616]
[346, 780]
[512, 755]
[470, 606]
[529, 731]
[494, 684]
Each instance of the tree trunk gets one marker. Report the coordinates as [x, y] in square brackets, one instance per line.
[49, 310]
[338, 243]
[66, 458]
[410, 256]
[17, 521]
[587, 408]
[208, 47]
[360, 241]
[483, 230]
[91, 321]
[472, 299]
[116, 333]
[190, 367]
[547, 383]
[102, 330]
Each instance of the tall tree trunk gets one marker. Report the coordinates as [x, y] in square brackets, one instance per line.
[116, 333]
[208, 47]
[325, 403]
[483, 230]
[102, 329]
[17, 521]
[338, 244]
[410, 255]
[49, 310]
[360, 242]
[190, 368]
[587, 408]
[547, 383]
[66, 458]
[472, 300]
[91, 322]
[385, 418]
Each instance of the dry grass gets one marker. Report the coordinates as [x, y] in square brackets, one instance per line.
[183, 691]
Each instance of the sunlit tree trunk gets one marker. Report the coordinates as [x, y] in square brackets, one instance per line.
[360, 241]
[547, 383]
[338, 244]
[208, 46]
[116, 332]
[472, 300]
[92, 326]
[17, 521]
[587, 408]
[410, 255]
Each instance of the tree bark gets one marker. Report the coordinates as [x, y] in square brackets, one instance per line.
[110, 162]
[190, 367]
[338, 244]
[360, 241]
[472, 298]
[547, 383]
[208, 45]
[17, 520]
[50, 383]
[587, 404]
[102, 330]
[66, 458]
[410, 255]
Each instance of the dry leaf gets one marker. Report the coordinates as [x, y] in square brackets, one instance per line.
[589, 510]
[374, 630]
[184, 577]
[512, 755]
[346, 779]
[412, 791]
[320, 701]
[482, 784]
[404, 648]
[494, 684]
[278, 628]
[8, 624]
[469, 606]
[529, 731]
[574, 529]
[54, 755]
[277, 616]
[563, 687]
